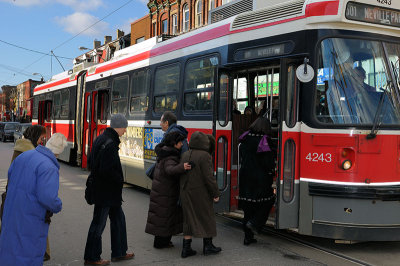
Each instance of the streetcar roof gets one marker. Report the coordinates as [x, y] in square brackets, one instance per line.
[313, 13]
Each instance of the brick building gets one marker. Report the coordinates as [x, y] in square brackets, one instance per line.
[8, 103]
[140, 30]
[174, 17]
[23, 103]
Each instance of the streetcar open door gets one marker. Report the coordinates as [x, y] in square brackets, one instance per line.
[255, 93]
[95, 120]
[45, 115]
[287, 182]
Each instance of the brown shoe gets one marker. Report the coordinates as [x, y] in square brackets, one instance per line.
[128, 256]
[97, 262]
[46, 257]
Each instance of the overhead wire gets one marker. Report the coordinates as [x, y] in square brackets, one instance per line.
[31, 50]
[73, 37]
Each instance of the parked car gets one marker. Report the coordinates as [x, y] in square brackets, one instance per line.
[7, 130]
[19, 130]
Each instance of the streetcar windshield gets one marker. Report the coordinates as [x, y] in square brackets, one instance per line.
[354, 79]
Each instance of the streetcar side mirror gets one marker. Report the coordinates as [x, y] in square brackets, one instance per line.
[305, 72]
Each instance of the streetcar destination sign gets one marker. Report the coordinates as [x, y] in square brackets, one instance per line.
[373, 14]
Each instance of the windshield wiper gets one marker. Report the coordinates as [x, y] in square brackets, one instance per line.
[378, 117]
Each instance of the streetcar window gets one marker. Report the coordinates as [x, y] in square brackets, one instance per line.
[35, 107]
[223, 102]
[199, 84]
[64, 103]
[57, 105]
[354, 83]
[240, 93]
[289, 170]
[140, 86]
[102, 98]
[88, 107]
[48, 109]
[101, 84]
[166, 86]
[221, 169]
[119, 95]
[291, 97]
[266, 92]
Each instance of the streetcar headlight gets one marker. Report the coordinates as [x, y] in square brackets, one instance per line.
[346, 165]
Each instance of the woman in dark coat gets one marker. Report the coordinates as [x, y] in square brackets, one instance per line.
[165, 215]
[257, 167]
[199, 191]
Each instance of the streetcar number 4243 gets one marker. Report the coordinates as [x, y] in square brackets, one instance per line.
[319, 157]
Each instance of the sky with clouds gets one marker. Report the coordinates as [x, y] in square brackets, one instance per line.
[50, 25]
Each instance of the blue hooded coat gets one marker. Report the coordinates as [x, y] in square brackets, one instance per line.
[33, 182]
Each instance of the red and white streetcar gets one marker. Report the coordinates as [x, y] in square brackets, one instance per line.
[328, 73]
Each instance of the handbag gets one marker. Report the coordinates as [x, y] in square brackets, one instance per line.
[150, 171]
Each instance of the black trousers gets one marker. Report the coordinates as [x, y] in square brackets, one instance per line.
[256, 213]
[161, 241]
[119, 244]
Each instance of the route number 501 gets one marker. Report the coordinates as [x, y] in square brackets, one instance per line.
[319, 157]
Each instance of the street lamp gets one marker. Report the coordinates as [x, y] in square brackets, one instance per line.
[82, 48]
[38, 74]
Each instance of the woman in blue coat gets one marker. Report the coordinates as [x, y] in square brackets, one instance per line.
[33, 181]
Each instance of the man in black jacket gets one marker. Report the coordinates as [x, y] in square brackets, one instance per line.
[105, 166]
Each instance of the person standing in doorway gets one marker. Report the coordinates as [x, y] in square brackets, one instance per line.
[257, 167]
[168, 124]
[105, 165]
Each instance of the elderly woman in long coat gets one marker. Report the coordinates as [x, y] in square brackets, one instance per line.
[33, 181]
[199, 190]
[165, 215]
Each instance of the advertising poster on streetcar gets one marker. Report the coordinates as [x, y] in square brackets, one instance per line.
[152, 136]
[132, 143]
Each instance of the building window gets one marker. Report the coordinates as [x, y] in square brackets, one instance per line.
[174, 24]
[165, 26]
[211, 5]
[186, 18]
[199, 11]
[226, 1]
[141, 39]
[154, 29]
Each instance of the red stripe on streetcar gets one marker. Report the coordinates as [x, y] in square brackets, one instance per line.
[195, 39]
[326, 8]
[46, 86]
[123, 62]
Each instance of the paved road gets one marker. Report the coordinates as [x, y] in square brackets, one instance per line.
[68, 232]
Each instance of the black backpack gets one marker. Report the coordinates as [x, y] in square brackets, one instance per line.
[90, 190]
